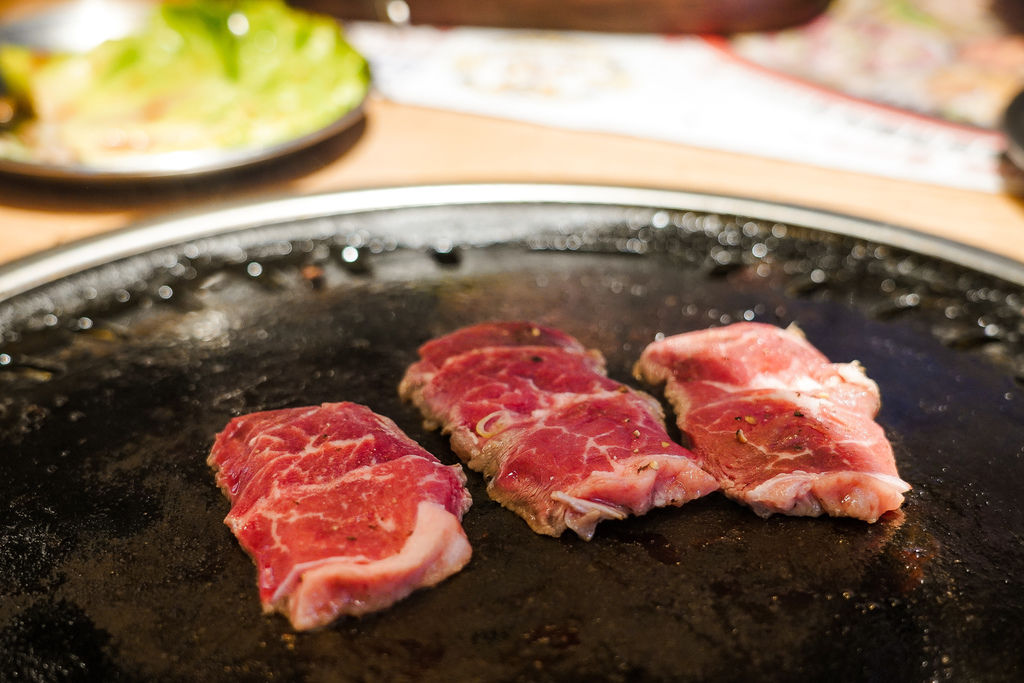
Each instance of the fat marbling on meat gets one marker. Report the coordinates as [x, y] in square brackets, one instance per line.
[340, 510]
[559, 443]
[781, 428]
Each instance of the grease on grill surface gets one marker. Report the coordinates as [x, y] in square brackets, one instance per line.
[976, 310]
[121, 566]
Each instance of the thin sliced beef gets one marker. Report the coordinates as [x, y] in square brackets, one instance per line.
[782, 428]
[340, 510]
[560, 444]
[436, 351]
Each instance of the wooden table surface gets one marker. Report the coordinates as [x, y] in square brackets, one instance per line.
[400, 145]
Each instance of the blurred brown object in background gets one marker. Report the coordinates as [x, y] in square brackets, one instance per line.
[1010, 13]
[646, 16]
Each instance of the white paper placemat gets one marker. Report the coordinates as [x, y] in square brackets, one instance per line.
[687, 90]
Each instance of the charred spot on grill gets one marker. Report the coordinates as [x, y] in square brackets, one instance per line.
[37, 646]
[810, 283]
[21, 419]
[109, 333]
[315, 276]
[447, 255]
[726, 267]
[658, 546]
[896, 305]
[31, 366]
[408, 658]
[555, 636]
[28, 372]
[960, 339]
[273, 276]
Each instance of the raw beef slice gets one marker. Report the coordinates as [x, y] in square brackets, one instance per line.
[781, 428]
[340, 510]
[560, 444]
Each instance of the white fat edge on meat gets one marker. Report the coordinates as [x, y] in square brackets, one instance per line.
[854, 373]
[585, 506]
[893, 481]
[643, 470]
[644, 477]
[588, 513]
[798, 490]
[799, 479]
[434, 526]
[795, 330]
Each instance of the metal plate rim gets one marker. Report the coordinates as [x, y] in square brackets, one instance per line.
[180, 165]
[36, 270]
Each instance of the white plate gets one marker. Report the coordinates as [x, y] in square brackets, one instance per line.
[80, 25]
